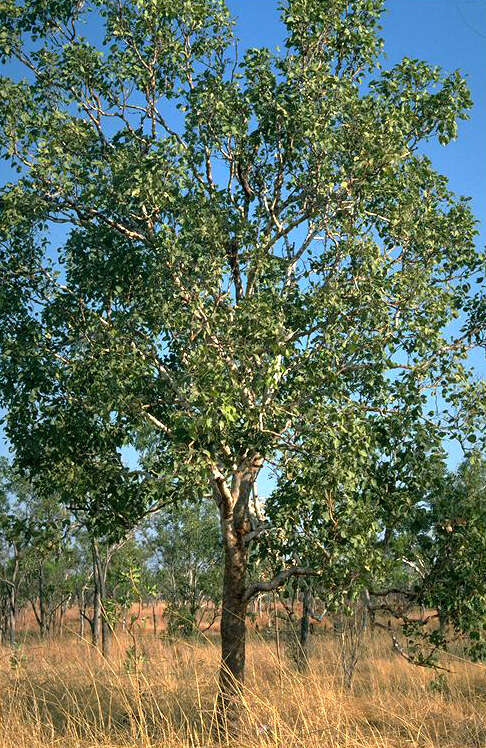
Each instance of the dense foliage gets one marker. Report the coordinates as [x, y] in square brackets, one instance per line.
[256, 267]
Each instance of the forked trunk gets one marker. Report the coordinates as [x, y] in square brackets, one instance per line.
[100, 570]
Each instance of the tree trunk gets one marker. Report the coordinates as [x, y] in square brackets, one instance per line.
[8, 629]
[43, 623]
[106, 630]
[233, 631]
[11, 624]
[95, 621]
[304, 628]
[82, 611]
[62, 615]
[154, 620]
[100, 571]
[3, 618]
[234, 512]
[12, 601]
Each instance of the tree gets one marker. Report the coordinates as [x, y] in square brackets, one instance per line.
[431, 549]
[186, 559]
[14, 539]
[48, 586]
[256, 260]
[114, 566]
[35, 558]
[96, 557]
[453, 556]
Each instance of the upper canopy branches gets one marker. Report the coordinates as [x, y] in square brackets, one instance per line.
[247, 240]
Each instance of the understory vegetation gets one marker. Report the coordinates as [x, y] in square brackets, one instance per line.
[63, 693]
[240, 317]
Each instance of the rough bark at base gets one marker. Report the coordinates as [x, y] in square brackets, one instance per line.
[233, 506]
[233, 632]
[233, 643]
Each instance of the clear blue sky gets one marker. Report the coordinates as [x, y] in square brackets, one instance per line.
[450, 33]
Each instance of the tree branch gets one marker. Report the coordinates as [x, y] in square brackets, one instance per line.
[278, 580]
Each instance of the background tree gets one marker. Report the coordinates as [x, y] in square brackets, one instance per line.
[35, 555]
[453, 556]
[15, 537]
[257, 259]
[48, 565]
[186, 552]
[104, 561]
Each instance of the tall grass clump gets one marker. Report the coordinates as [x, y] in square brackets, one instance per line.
[64, 694]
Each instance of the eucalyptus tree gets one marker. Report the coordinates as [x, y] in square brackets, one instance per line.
[185, 558]
[254, 254]
[112, 562]
[15, 536]
[35, 552]
[432, 556]
[452, 557]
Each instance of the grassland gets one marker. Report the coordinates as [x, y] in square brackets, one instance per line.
[61, 693]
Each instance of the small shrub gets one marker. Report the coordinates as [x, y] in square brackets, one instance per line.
[135, 659]
[17, 658]
[440, 685]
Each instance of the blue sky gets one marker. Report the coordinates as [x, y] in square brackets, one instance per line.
[450, 33]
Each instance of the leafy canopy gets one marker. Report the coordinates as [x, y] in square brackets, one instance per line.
[254, 258]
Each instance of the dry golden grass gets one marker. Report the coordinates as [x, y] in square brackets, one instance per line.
[63, 694]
